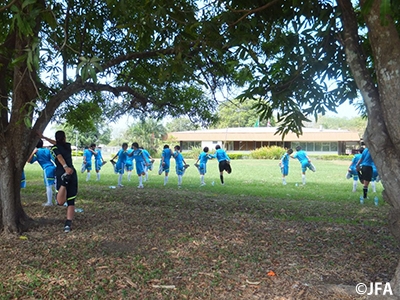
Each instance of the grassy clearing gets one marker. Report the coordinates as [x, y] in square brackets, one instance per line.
[211, 242]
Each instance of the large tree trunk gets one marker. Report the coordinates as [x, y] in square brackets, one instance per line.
[13, 218]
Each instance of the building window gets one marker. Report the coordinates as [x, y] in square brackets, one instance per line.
[190, 145]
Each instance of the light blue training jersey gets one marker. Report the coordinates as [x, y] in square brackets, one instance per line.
[285, 160]
[88, 156]
[166, 154]
[221, 155]
[366, 158]
[44, 158]
[301, 156]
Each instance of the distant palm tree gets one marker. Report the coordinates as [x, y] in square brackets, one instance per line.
[148, 133]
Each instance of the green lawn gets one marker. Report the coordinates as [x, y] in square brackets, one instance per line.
[211, 242]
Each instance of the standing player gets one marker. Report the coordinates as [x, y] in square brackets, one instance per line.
[149, 161]
[284, 165]
[66, 178]
[352, 171]
[224, 162]
[165, 162]
[129, 163]
[202, 166]
[87, 159]
[365, 170]
[140, 162]
[46, 161]
[119, 166]
[98, 162]
[181, 165]
[305, 162]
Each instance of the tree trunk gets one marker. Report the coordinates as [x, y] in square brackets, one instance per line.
[13, 218]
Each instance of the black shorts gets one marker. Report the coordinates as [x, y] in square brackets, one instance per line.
[365, 173]
[225, 166]
[72, 187]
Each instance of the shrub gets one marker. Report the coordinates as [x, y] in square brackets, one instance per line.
[273, 152]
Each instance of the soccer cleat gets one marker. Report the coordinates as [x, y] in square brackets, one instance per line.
[348, 175]
[65, 179]
[140, 186]
[120, 185]
[197, 165]
[103, 163]
[203, 184]
[186, 166]
[67, 228]
[47, 204]
[160, 170]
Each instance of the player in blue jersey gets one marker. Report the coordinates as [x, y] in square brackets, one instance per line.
[180, 164]
[129, 163]
[66, 178]
[224, 162]
[46, 161]
[165, 162]
[87, 159]
[119, 166]
[149, 161]
[98, 162]
[202, 165]
[284, 165]
[352, 170]
[305, 162]
[140, 162]
[365, 170]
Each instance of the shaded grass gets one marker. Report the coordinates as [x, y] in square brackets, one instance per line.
[213, 242]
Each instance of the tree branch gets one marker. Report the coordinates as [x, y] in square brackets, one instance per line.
[7, 6]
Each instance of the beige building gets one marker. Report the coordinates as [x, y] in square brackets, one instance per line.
[318, 141]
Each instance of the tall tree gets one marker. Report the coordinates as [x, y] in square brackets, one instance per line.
[148, 133]
[181, 124]
[307, 57]
[235, 113]
[146, 57]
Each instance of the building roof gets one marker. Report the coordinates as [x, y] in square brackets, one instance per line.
[265, 134]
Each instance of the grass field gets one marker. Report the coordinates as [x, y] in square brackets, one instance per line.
[211, 242]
